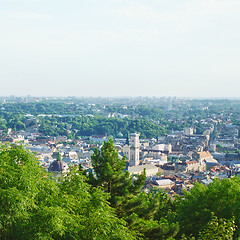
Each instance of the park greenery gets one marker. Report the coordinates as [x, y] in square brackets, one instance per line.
[76, 118]
[109, 204]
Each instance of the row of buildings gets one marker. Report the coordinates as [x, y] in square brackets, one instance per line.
[173, 162]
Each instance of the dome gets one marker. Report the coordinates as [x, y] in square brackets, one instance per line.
[58, 166]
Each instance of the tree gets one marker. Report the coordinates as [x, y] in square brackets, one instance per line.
[140, 210]
[59, 156]
[110, 174]
[197, 207]
[152, 215]
[218, 229]
[89, 211]
[33, 206]
[20, 182]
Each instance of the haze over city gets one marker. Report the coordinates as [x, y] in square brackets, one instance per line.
[186, 48]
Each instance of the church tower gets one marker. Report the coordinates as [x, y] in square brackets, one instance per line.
[134, 149]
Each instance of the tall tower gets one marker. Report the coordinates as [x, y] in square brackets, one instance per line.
[134, 149]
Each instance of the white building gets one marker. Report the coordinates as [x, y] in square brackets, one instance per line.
[165, 183]
[150, 169]
[162, 148]
[188, 131]
[126, 151]
[157, 161]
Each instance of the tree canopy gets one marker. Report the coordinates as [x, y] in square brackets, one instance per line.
[109, 204]
[33, 206]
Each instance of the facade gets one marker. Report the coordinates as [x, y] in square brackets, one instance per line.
[191, 166]
[126, 151]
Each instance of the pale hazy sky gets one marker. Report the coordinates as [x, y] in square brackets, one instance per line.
[120, 48]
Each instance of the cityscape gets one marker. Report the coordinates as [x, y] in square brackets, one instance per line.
[198, 145]
[119, 120]
[147, 157]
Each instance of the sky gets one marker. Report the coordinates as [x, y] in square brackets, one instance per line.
[182, 48]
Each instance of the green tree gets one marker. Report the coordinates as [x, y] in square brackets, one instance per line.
[20, 182]
[33, 206]
[110, 174]
[59, 157]
[222, 198]
[218, 229]
[140, 210]
[93, 218]
[152, 215]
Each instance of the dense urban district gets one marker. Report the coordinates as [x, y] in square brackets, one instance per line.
[119, 168]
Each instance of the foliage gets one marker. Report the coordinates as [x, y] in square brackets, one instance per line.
[78, 117]
[218, 229]
[110, 174]
[141, 211]
[35, 207]
[221, 198]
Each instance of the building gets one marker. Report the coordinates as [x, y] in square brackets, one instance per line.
[150, 169]
[190, 166]
[165, 148]
[207, 157]
[188, 131]
[134, 149]
[165, 183]
[58, 167]
[126, 151]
